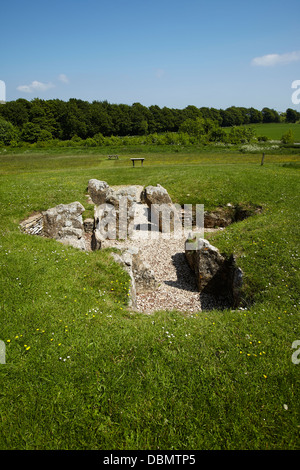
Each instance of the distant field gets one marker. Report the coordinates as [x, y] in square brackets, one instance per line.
[275, 131]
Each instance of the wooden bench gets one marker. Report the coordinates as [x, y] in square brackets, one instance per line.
[137, 159]
[113, 157]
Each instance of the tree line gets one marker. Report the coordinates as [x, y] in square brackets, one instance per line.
[43, 120]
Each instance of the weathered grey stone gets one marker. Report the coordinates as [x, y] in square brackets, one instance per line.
[126, 263]
[133, 193]
[78, 243]
[63, 220]
[215, 273]
[156, 195]
[64, 223]
[114, 214]
[164, 213]
[114, 221]
[98, 191]
[105, 222]
[141, 276]
[205, 260]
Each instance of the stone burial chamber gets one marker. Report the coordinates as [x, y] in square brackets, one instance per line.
[114, 215]
[115, 211]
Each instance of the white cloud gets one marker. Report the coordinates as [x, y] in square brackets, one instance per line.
[276, 59]
[25, 88]
[35, 86]
[63, 78]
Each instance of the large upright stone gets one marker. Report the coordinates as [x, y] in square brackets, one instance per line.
[115, 218]
[125, 260]
[141, 275]
[205, 260]
[114, 211]
[133, 193]
[156, 195]
[64, 223]
[98, 191]
[164, 213]
[215, 273]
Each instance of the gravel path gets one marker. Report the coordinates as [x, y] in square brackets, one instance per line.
[177, 288]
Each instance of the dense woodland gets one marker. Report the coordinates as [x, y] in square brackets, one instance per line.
[43, 120]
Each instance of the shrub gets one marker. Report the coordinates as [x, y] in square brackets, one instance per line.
[240, 135]
[288, 137]
[30, 132]
[76, 140]
[113, 141]
[99, 138]
[89, 142]
[7, 132]
[44, 136]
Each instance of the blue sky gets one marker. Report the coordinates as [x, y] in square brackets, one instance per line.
[165, 52]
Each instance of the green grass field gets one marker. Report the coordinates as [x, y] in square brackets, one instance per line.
[83, 372]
